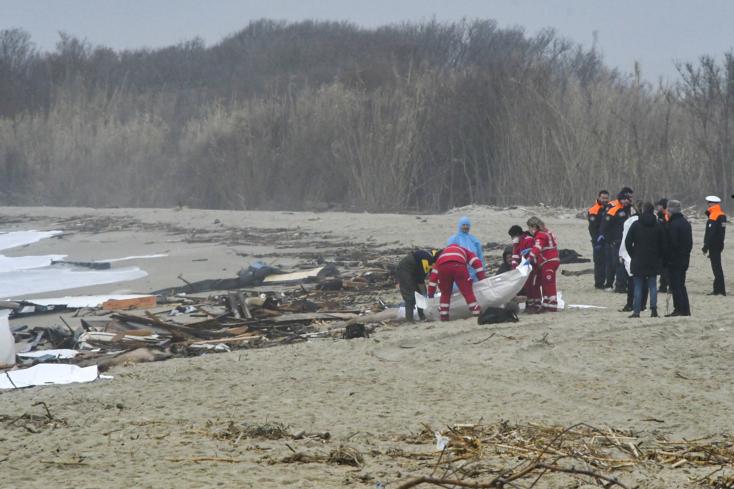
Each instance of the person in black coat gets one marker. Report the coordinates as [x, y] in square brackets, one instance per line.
[678, 256]
[713, 241]
[411, 273]
[646, 246]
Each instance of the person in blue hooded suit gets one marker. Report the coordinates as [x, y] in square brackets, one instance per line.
[464, 239]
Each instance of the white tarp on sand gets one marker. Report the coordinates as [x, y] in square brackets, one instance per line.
[47, 373]
[493, 291]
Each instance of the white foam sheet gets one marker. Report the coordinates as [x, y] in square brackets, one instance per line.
[20, 238]
[47, 374]
[13, 263]
[83, 300]
[494, 291]
[26, 282]
[62, 354]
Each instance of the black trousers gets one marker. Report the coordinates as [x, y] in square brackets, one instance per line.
[664, 280]
[719, 286]
[679, 291]
[408, 288]
[611, 259]
[600, 266]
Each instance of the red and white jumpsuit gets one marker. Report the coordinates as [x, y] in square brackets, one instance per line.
[525, 242]
[542, 290]
[451, 266]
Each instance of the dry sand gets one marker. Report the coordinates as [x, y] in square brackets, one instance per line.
[142, 429]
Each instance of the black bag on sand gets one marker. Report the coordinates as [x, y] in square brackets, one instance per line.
[494, 315]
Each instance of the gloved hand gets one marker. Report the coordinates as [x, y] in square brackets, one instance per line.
[526, 251]
[600, 239]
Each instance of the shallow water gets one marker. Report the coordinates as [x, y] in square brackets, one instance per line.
[25, 275]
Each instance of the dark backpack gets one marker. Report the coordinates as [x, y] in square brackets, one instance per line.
[494, 315]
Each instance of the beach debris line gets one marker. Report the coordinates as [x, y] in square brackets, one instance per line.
[120, 330]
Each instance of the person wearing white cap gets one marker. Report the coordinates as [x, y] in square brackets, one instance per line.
[713, 241]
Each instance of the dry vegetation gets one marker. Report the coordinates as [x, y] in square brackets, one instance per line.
[315, 114]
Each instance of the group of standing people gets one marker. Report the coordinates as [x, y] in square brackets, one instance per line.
[635, 243]
[461, 263]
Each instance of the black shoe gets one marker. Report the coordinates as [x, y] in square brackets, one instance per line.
[663, 290]
[673, 314]
[620, 291]
[634, 315]
[653, 312]
[626, 309]
[717, 293]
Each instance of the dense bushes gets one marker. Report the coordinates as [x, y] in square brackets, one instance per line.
[310, 115]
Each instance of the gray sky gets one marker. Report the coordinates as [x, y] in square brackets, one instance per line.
[654, 32]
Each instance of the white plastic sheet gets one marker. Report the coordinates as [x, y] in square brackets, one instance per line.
[493, 291]
[7, 342]
[46, 374]
[61, 354]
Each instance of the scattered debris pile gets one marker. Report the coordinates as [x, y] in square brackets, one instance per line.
[281, 308]
[467, 455]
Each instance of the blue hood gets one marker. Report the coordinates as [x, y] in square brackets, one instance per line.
[462, 221]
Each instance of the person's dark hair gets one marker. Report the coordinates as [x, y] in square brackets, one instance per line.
[647, 207]
[602, 192]
[662, 203]
[515, 230]
[626, 190]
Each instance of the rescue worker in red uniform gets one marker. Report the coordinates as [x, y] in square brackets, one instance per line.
[451, 267]
[595, 215]
[544, 256]
[522, 242]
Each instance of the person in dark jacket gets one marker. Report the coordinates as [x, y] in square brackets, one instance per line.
[645, 244]
[506, 264]
[664, 219]
[411, 273]
[678, 256]
[713, 241]
[595, 215]
[610, 236]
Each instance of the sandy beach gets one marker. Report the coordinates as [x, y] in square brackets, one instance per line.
[165, 424]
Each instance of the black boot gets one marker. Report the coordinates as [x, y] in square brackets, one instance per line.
[634, 315]
[653, 312]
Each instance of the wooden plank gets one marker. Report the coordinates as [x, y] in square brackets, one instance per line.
[292, 277]
[137, 303]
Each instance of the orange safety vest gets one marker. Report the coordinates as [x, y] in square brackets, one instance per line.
[715, 213]
[616, 207]
[594, 209]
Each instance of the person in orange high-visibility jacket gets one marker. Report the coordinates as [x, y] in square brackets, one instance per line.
[713, 241]
[451, 267]
[544, 256]
[595, 215]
